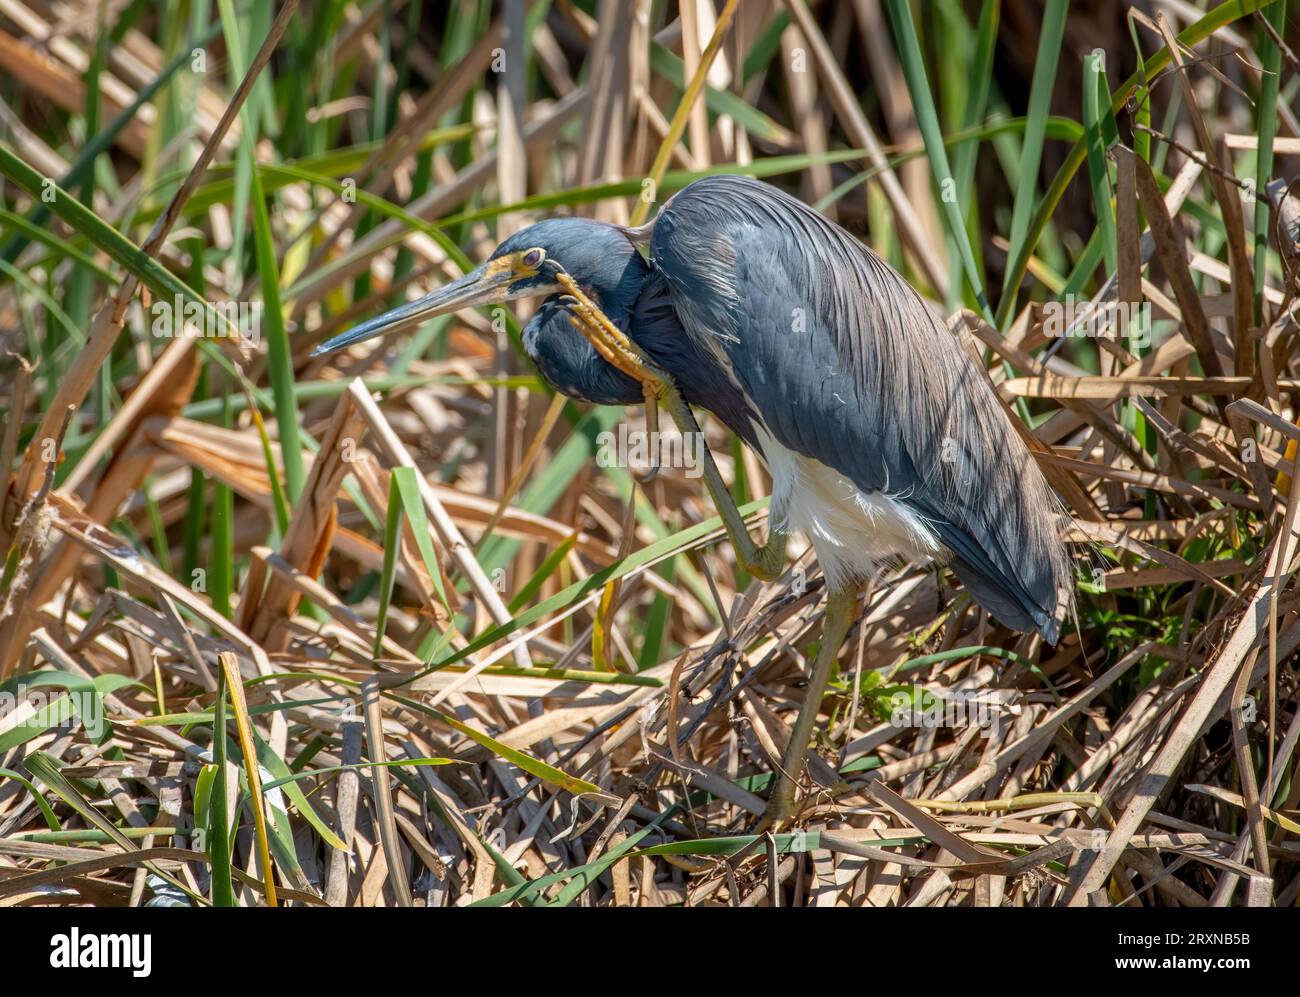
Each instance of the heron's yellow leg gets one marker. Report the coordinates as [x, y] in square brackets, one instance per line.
[841, 606]
[765, 561]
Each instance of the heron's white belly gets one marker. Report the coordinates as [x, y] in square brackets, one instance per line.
[852, 532]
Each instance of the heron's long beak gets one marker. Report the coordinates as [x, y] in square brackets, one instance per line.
[483, 285]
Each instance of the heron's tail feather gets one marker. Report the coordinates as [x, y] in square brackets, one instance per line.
[1021, 575]
[1006, 550]
[1012, 609]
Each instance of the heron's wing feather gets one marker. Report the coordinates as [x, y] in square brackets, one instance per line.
[845, 363]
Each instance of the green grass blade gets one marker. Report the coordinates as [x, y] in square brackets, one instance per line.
[1094, 79]
[918, 84]
[1266, 116]
[219, 827]
[408, 493]
[1193, 34]
[392, 542]
[1040, 99]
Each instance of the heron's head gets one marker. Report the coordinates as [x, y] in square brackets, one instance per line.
[598, 256]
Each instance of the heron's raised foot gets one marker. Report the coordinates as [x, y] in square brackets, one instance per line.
[613, 344]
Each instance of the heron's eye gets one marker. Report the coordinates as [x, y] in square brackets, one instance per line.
[533, 258]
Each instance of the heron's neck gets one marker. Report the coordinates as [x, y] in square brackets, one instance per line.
[615, 305]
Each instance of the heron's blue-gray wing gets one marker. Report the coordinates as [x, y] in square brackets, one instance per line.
[845, 364]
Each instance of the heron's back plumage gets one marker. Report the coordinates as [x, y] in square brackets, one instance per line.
[845, 365]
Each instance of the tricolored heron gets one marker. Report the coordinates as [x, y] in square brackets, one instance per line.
[882, 433]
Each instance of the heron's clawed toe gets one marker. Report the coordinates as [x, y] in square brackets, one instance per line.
[612, 343]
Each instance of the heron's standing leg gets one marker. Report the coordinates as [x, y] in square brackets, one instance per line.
[841, 607]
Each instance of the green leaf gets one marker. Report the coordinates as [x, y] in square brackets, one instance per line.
[900, 14]
[408, 493]
[392, 544]
[1040, 100]
[531, 765]
[1094, 123]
